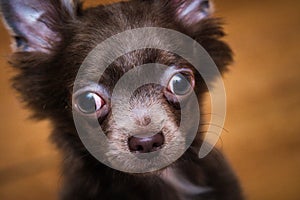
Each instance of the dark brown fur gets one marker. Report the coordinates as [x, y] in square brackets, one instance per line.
[45, 81]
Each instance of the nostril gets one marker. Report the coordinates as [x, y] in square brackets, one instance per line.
[146, 144]
[139, 148]
[156, 145]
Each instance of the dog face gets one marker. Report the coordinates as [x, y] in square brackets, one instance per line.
[51, 41]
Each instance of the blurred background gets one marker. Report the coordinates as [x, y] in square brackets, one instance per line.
[263, 121]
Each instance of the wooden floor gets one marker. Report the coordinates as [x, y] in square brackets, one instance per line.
[263, 90]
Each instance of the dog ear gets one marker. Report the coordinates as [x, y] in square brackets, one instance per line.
[35, 24]
[190, 12]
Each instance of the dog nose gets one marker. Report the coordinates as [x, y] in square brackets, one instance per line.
[146, 144]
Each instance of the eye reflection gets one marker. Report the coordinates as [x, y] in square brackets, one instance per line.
[180, 84]
[89, 102]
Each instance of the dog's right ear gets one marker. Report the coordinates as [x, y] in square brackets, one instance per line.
[35, 24]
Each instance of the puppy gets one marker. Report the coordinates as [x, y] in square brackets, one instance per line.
[51, 40]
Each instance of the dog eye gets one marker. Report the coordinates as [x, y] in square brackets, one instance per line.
[180, 84]
[89, 102]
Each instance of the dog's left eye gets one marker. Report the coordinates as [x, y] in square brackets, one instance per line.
[89, 102]
[181, 84]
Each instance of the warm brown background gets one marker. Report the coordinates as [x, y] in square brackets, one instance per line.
[263, 142]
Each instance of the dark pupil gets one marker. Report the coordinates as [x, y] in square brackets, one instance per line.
[87, 103]
[180, 85]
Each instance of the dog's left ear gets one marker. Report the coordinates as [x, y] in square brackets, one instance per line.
[35, 24]
[190, 12]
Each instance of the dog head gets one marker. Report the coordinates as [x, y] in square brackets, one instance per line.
[51, 40]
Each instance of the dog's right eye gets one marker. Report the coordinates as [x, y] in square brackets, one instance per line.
[89, 102]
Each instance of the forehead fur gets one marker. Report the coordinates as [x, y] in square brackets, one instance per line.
[99, 23]
[55, 73]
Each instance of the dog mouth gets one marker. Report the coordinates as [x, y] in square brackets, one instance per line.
[146, 144]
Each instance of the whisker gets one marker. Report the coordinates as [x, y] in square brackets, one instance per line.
[216, 125]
